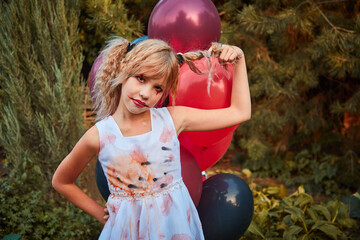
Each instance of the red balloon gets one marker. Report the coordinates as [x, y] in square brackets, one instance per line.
[193, 92]
[92, 75]
[185, 25]
[206, 156]
[191, 175]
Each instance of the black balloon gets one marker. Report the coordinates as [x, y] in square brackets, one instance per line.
[101, 181]
[226, 207]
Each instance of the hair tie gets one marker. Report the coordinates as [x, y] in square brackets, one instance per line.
[130, 47]
[180, 58]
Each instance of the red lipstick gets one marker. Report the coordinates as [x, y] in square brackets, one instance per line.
[138, 103]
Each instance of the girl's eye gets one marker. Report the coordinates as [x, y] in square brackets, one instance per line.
[158, 89]
[140, 78]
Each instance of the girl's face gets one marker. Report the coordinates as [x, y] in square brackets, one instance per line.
[138, 93]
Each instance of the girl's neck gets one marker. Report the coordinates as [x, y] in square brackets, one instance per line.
[133, 124]
[130, 117]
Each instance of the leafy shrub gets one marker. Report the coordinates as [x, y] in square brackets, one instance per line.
[28, 210]
[298, 217]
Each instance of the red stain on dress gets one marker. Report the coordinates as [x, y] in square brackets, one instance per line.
[125, 234]
[181, 236]
[188, 216]
[166, 205]
[138, 155]
[164, 181]
[132, 173]
[110, 138]
[107, 139]
[166, 135]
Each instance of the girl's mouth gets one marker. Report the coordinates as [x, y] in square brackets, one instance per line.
[139, 103]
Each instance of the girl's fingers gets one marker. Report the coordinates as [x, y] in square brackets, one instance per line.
[224, 53]
[233, 56]
[106, 216]
[230, 53]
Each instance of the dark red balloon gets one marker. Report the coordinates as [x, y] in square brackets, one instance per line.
[206, 156]
[191, 175]
[193, 92]
[185, 25]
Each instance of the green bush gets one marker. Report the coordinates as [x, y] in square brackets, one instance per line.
[298, 217]
[28, 211]
[41, 117]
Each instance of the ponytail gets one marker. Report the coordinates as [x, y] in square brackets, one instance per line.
[189, 57]
[107, 88]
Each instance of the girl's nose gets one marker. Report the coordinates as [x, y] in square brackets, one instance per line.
[145, 93]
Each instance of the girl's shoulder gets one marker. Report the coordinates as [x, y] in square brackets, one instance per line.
[90, 140]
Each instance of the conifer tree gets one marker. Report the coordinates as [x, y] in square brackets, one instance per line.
[41, 116]
[102, 20]
[303, 60]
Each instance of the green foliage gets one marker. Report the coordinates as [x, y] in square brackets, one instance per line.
[303, 64]
[41, 116]
[33, 215]
[101, 20]
[298, 217]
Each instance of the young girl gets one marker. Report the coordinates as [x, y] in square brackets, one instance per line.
[137, 144]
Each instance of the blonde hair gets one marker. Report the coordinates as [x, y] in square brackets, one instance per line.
[152, 58]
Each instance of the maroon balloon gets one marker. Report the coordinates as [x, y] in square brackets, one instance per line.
[185, 25]
[206, 156]
[191, 174]
[92, 75]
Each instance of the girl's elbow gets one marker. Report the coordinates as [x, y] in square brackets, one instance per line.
[243, 117]
[248, 116]
[55, 183]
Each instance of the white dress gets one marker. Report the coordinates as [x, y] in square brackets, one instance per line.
[148, 199]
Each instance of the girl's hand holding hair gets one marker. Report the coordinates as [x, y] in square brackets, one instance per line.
[227, 53]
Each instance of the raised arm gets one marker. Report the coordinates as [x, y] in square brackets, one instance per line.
[192, 119]
[69, 170]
